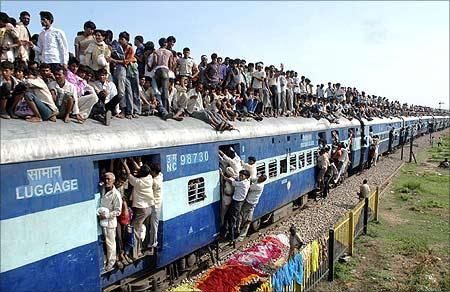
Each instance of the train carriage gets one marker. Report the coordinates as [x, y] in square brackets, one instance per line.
[50, 174]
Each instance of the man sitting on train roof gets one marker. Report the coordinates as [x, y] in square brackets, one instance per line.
[39, 98]
[65, 96]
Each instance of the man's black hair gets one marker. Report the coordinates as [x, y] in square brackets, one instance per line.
[252, 158]
[162, 41]
[57, 68]
[171, 39]
[89, 24]
[101, 32]
[144, 171]
[102, 71]
[4, 17]
[364, 181]
[13, 21]
[47, 15]
[124, 35]
[7, 65]
[149, 46]
[139, 38]
[24, 13]
[213, 56]
[186, 49]
[73, 60]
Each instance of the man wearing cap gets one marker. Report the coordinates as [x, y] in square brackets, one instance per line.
[111, 200]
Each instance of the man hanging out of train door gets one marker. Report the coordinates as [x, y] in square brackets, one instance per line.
[252, 199]
[241, 187]
[231, 165]
[110, 208]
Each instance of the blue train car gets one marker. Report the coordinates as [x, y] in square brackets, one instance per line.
[50, 174]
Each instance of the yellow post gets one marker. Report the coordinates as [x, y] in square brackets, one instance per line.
[377, 194]
[351, 231]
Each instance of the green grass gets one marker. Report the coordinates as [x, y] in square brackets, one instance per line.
[343, 271]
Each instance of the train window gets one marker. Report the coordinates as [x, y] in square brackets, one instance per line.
[293, 162]
[273, 168]
[309, 158]
[288, 138]
[301, 160]
[316, 154]
[196, 190]
[283, 165]
[261, 169]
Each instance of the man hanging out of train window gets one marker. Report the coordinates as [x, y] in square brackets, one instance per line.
[142, 198]
[252, 199]
[155, 171]
[110, 208]
[241, 187]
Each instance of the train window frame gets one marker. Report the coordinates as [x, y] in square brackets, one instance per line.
[261, 168]
[283, 165]
[293, 164]
[200, 195]
[273, 172]
[301, 160]
[315, 156]
[309, 158]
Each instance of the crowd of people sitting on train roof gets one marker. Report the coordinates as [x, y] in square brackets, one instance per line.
[105, 78]
[130, 207]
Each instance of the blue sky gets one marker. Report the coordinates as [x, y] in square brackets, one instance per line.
[395, 49]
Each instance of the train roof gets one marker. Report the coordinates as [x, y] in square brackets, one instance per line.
[22, 141]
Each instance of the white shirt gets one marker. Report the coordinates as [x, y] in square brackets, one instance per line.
[283, 82]
[69, 88]
[251, 168]
[199, 101]
[240, 189]
[234, 163]
[184, 66]
[158, 189]
[142, 195]
[329, 92]
[254, 193]
[256, 83]
[344, 156]
[109, 87]
[296, 82]
[112, 200]
[52, 46]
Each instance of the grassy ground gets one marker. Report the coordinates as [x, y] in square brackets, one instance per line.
[408, 250]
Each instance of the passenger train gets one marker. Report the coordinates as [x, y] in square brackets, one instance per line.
[50, 174]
